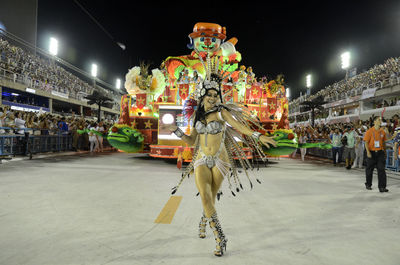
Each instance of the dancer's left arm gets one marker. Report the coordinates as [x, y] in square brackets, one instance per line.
[244, 130]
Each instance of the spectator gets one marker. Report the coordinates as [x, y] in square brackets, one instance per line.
[349, 148]
[359, 148]
[375, 139]
[3, 114]
[94, 144]
[100, 129]
[335, 140]
[19, 123]
[303, 140]
[62, 126]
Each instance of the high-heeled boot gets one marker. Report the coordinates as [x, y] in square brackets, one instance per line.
[202, 226]
[219, 235]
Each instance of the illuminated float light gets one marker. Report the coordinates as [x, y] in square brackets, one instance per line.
[170, 107]
[278, 115]
[94, 70]
[345, 60]
[287, 92]
[168, 118]
[53, 47]
[168, 137]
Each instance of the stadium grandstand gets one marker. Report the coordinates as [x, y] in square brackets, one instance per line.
[32, 79]
[371, 92]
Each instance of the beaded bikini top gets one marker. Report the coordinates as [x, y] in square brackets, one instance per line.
[213, 127]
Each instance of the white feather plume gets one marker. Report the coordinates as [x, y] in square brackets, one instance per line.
[130, 80]
[160, 78]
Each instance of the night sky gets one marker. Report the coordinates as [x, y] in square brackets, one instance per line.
[290, 38]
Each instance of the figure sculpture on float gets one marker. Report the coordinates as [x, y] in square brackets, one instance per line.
[206, 39]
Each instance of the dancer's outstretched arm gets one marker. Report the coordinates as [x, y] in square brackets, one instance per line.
[244, 130]
[189, 139]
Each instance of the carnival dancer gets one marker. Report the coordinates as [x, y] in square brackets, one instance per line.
[215, 147]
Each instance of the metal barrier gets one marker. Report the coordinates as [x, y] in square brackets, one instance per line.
[12, 144]
[28, 144]
[392, 163]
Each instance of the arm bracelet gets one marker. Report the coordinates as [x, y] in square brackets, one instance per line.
[178, 132]
[256, 135]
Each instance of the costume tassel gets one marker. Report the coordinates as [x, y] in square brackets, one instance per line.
[174, 189]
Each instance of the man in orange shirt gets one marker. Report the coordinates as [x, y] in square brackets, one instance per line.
[375, 139]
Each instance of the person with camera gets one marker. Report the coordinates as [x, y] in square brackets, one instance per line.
[375, 139]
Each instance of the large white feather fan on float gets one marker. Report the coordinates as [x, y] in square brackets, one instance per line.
[137, 81]
[131, 84]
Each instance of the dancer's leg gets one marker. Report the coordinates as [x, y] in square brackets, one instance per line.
[217, 179]
[203, 179]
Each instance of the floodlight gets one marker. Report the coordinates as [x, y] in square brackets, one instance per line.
[94, 70]
[118, 83]
[53, 47]
[308, 81]
[345, 60]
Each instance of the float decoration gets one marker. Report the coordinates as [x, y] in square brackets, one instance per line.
[122, 137]
[286, 141]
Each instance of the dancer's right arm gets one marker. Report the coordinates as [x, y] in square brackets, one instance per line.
[189, 139]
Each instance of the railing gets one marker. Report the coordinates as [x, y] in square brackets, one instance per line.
[391, 163]
[391, 81]
[30, 143]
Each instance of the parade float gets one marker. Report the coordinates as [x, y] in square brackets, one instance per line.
[159, 98]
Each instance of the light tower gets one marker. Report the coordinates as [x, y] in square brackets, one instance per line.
[346, 62]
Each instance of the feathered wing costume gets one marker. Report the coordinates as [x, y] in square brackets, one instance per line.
[233, 148]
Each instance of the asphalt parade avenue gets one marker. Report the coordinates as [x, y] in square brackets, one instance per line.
[102, 209]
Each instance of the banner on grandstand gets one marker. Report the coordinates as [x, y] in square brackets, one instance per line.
[352, 72]
[59, 94]
[368, 93]
[342, 102]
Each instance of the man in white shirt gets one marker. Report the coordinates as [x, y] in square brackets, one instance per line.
[335, 140]
[359, 148]
[19, 123]
[3, 114]
[100, 128]
[349, 149]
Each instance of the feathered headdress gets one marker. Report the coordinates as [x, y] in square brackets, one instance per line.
[213, 78]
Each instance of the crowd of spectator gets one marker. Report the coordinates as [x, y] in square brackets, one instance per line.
[41, 72]
[378, 74]
[347, 139]
[321, 132]
[36, 123]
